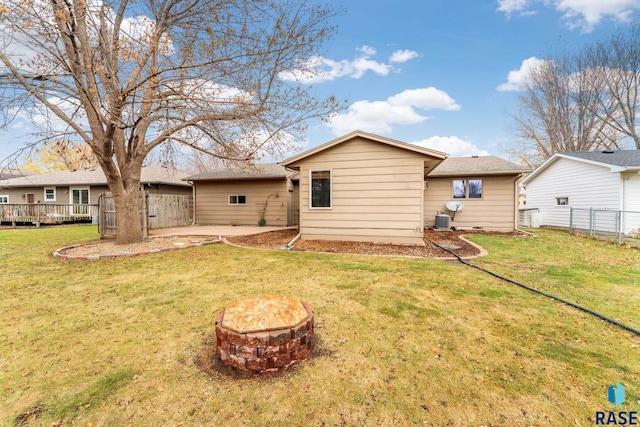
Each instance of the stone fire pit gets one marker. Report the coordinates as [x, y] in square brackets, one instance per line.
[264, 335]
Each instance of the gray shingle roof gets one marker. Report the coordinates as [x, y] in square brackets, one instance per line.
[6, 173]
[477, 165]
[260, 171]
[624, 158]
[150, 174]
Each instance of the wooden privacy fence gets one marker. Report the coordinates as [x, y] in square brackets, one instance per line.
[155, 210]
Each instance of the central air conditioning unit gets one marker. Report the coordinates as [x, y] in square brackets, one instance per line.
[443, 222]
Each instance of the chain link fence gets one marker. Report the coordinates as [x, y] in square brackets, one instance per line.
[621, 226]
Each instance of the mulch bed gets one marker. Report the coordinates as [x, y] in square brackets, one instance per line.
[449, 239]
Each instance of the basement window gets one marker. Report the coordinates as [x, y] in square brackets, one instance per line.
[320, 189]
[562, 201]
[237, 200]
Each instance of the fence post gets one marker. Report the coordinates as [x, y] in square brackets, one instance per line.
[145, 217]
[101, 215]
[571, 221]
[38, 217]
[619, 220]
[590, 221]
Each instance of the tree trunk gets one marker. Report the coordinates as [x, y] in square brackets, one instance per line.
[127, 216]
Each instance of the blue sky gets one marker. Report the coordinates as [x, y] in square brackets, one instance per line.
[463, 50]
[442, 73]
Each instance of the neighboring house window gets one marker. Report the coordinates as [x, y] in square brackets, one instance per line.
[467, 189]
[4, 200]
[237, 200]
[79, 198]
[50, 194]
[562, 201]
[320, 188]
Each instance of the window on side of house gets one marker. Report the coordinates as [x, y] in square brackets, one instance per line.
[320, 197]
[459, 188]
[238, 200]
[467, 189]
[4, 199]
[49, 194]
[562, 201]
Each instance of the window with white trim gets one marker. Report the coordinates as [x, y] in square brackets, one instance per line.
[238, 200]
[562, 201]
[49, 194]
[4, 199]
[467, 189]
[320, 193]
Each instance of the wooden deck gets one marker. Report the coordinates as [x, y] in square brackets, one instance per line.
[45, 213]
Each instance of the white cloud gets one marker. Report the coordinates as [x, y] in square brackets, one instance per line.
[585, 14]
[400, 109]
[428, 98]
[515, 77]
[452, 145]
[588, 13]
[318, 69]
[512, 6]
[403, 56]
[367, 50]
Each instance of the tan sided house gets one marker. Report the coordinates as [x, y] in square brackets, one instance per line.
[244, 196]
[73, 195]
[362, 187]
[487, 186]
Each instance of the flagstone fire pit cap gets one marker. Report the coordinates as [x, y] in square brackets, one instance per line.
[267, 313]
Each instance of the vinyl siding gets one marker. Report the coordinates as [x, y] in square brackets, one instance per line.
[494, 212]
[586, 186]
[62, 194]
[376, 194]
[212, 202]
[631, 219]
[632, 188]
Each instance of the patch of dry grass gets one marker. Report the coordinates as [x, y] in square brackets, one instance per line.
[401, 341]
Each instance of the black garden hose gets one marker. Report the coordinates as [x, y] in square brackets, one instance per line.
[529, 288]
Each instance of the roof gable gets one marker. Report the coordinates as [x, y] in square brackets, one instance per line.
[616, 161]
[370, 137]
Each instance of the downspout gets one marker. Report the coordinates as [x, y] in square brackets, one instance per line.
[193, 194]
[289, 245]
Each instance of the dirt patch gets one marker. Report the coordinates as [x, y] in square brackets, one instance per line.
[449, 239]
[276, 240]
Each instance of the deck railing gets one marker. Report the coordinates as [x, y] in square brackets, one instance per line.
[45, 213]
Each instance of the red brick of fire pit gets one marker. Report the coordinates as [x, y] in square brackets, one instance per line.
[264, 335]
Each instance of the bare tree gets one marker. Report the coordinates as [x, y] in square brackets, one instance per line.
[127, 77]
[617, 61]
[559, 111]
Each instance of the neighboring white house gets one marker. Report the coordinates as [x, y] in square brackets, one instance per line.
[596, 180]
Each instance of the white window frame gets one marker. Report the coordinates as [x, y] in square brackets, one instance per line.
[4, 197]
[562, 205]
[78, 210]
[311, 171]
[54, 194]
[237, 196]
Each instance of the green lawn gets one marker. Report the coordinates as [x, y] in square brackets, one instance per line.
[401, 341]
